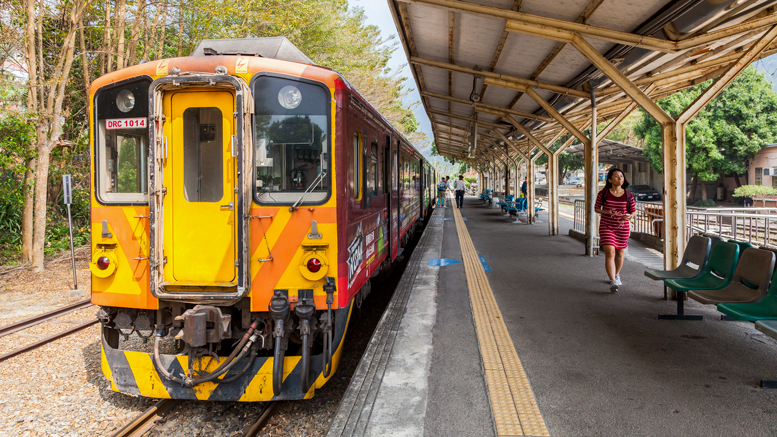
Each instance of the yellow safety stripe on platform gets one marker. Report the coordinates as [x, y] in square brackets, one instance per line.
[513, 405]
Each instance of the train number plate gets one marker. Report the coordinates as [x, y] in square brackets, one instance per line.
[126, 123]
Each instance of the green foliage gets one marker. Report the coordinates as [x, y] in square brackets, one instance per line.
[16, 135]
[704, 203]
[754, 191]
[724, 136]
[566, 161]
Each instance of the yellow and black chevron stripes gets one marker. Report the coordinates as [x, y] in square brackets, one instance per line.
[136, 373]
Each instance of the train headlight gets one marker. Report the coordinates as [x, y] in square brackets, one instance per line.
[314, 265]
[125, 101]
[289, 97]
[103, 264]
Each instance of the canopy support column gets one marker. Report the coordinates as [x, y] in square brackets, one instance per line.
[553, 227]
[591, 181]
[530, 187]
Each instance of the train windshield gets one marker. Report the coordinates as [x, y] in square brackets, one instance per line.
[122, 143]
[291, 141]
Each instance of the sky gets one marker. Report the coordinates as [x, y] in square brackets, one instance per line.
[379, 14]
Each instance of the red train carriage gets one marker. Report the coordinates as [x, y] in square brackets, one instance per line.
[240, 205]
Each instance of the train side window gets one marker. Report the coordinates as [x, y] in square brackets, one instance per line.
[203, 171]
[357, 173]
[372, 169]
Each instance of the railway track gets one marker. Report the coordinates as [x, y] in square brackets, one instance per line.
[149, 419]
[32, 321]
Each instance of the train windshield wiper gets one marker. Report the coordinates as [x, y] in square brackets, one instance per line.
[316, 181]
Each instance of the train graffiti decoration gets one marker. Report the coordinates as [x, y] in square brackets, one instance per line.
[241, 201]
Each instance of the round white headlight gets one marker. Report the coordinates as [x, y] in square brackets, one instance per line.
[125, 101]
[289, 97]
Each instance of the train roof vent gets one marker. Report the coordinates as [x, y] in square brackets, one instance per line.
[277, 47]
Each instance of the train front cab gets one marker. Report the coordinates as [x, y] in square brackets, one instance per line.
[215, 242]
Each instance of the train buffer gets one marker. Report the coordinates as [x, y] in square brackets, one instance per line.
[540, 346]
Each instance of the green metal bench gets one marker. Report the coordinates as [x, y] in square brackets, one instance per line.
[717, 274]
[697, 251]
[766, 309]
[749, 284]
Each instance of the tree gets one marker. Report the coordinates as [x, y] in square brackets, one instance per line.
[48, 79]
[566, 161]
[725, 135]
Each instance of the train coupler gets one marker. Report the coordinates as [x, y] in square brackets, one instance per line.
[204, 324]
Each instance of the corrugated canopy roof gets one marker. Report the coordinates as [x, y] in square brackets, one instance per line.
[536, 57]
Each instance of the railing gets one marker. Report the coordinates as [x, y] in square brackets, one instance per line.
[580, 216]
[757, 229]
[649, 219]
[757, 226]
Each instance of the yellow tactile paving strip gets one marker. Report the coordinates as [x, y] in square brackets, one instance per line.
[513, 405]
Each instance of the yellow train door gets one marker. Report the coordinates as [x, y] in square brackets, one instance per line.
[200, 205]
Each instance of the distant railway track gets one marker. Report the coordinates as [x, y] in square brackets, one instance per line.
[32, 321]
[148, 419]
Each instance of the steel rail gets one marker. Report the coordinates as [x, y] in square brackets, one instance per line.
[32, 321]
[46, 340]
[257, 426]
[147, 419]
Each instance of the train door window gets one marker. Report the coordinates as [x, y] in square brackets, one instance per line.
[203, 161]
[357, 173]
[395, 169]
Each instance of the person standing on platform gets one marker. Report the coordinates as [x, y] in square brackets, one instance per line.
[448, 185]
[524, 188]
[459, 188]
[616, 206]
[441, 193]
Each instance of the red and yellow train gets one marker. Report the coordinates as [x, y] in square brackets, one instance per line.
[240, 205]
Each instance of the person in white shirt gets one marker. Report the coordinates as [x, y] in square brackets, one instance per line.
[458, 188]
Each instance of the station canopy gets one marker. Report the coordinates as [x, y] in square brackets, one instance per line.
[505, 68]
[612, 152]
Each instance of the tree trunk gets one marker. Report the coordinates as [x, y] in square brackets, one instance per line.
[84, 61]
[122, 10]
[29, 201]
[150, 34]
[161, 49]
[180, 30]
[105, 57]
[41, 190]
[49, 128]
[692, 195]
[704, 190]
[140, 10]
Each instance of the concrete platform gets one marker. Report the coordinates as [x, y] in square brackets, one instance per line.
[598, 363]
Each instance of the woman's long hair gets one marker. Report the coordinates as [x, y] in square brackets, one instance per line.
[608, 184]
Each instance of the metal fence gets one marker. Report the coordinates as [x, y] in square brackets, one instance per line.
[757, 226]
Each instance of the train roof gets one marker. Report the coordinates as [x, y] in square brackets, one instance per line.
[278, 47]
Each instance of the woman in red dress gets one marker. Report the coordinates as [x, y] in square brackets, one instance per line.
[617, 206]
